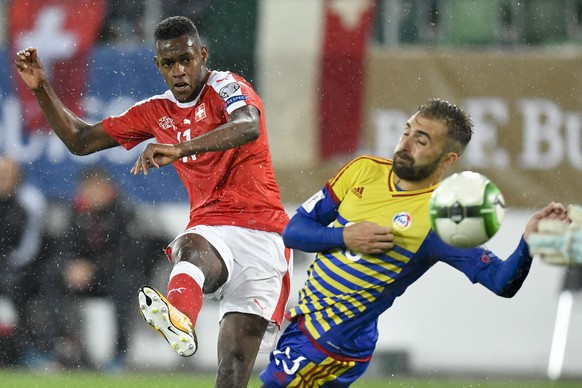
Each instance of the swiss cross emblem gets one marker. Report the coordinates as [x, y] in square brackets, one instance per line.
[200, 112]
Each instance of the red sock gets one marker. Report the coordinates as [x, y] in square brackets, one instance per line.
[185, 289]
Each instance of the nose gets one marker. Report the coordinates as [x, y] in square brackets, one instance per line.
[404, 144]
[177, 70]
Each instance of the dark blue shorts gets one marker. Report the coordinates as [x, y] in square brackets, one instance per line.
[297, 363]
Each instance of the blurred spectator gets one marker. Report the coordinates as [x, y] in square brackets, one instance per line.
[22, 209]
[124, 21]
[100, 255]
[195, 10]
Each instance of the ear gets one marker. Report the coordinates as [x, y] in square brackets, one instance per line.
[204, 54]
[157, 62]
[449, 160]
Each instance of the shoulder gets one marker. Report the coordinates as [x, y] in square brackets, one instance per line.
[226, 83]
[372, 160]
[366, 162]
[166, 97]
[150, 103]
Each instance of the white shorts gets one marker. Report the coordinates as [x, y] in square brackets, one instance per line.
[259, 274]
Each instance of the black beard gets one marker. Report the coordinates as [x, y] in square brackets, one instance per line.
[413, 173]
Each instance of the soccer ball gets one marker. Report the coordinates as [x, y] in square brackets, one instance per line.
[466, 209]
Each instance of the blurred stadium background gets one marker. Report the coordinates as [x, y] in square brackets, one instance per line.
[338, 78]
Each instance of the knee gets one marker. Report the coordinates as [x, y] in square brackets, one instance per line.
[194, 249]
[191, 248]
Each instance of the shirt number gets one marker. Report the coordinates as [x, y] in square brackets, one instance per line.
[185, 136]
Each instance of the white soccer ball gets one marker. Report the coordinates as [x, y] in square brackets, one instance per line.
[466, 209]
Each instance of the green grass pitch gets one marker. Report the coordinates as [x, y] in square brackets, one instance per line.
[20, 379]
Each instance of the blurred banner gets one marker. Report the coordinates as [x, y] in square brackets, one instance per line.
[525, 104]
[116, 79]
[347, 28]
[526, 107]
[65, 31]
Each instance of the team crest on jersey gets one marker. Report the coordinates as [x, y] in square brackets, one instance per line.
[166, 123]
[200, 112]
[228, 90]
[402, 221]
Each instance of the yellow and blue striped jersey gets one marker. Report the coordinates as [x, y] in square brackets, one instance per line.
[345, 291]
[341, 283]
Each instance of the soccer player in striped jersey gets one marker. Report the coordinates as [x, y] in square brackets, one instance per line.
[210, 126]
[370, 228]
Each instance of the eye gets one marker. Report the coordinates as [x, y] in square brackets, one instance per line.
[186, 59]
[422, 140]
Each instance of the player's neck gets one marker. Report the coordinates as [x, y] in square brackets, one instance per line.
[406, 185]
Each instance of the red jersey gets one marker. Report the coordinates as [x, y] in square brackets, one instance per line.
[232, 187]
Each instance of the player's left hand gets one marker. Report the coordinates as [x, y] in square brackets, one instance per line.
[559, 241]
[553, 211]
[155, 155]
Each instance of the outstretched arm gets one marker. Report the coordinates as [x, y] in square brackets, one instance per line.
[80, 137]
[242, 127]
[506, 277]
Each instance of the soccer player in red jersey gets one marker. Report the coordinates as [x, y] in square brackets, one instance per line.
[210, 126]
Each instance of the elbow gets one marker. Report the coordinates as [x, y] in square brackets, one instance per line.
[78, 150]
[510, 290]
[252, 130]
[507, 294]
[251, 127]
[287, 240]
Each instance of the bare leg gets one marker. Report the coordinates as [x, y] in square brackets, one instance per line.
[238, 344]
[196, 250]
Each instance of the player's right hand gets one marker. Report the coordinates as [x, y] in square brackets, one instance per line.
[30, 68]
[368, 237]
[155, 155]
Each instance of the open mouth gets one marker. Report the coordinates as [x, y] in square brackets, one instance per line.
[181, 86]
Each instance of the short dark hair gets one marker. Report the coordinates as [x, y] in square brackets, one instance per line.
[459, 123]
[174, 27]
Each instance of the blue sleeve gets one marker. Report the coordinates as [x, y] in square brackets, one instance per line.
[503, 277]
[309, 230]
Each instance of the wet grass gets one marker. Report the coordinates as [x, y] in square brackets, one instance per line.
[82, 379]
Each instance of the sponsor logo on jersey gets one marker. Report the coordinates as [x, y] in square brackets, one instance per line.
[234, 99]
[187, 121]
[228, 90]
[166, 123]
[402, 221]
[358, 191]
[200, 112]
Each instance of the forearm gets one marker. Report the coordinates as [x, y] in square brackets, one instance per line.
[66, 125]
[505, 278]
[308, 235]
[243, 128]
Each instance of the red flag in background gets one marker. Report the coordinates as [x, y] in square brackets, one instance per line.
[64, 31]
[348, 24]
